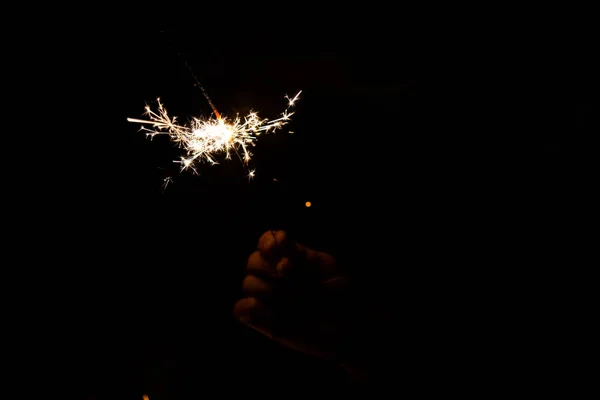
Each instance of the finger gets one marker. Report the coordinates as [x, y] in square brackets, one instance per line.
[317, 264]
[258, 265]
[276, 246]
[252, 312]
[250, 307]
[273, 244]
[256, 287]
[284, 266]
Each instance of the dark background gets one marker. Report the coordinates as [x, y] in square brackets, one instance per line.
[145, 279]
[163, 268]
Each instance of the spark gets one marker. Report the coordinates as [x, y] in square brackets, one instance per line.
[293, 100]
[206, 139]
[166, 182]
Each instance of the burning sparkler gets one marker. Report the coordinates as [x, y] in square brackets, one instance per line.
[204, 139]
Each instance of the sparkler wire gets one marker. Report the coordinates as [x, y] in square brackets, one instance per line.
[198, 84]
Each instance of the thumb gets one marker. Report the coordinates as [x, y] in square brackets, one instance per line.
[306, 261]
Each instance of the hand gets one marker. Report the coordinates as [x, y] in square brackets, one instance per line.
[298, 297]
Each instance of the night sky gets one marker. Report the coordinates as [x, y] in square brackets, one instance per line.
[158, 271]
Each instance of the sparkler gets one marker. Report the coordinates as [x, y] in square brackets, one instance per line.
[203, 139]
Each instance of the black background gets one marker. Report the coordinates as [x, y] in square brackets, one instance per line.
[161, 269]
[142, 280]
